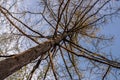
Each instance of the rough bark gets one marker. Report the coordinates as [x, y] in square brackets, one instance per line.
[12, 64]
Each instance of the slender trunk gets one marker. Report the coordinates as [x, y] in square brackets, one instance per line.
[13, 64]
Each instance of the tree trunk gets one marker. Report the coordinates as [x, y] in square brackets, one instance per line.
[12, 64]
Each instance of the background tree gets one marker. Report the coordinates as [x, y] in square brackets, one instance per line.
[58, 36]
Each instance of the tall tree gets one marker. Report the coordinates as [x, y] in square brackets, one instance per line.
[61, 36]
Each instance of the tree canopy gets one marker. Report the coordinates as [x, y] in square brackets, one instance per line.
[57, 39]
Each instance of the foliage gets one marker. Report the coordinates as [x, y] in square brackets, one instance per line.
[74, 25]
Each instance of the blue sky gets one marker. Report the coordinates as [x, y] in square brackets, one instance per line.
[113, 29]
[110, 29]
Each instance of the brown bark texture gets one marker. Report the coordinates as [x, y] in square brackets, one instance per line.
[13, 64]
